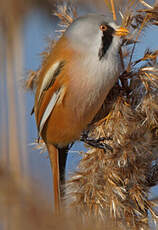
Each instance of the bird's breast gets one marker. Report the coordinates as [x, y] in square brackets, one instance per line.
[90, 84]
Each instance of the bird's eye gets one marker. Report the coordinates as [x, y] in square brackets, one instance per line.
[103, 27]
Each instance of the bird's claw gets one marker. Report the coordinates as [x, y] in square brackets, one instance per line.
[97, 143]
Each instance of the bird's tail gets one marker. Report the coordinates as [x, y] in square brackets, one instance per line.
[63, 152]
[58, 159]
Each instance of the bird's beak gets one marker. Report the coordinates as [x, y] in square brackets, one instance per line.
[121, 31]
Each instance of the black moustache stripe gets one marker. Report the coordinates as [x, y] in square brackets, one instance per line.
[106, 42]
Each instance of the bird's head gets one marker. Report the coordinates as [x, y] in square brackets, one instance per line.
[94, 34]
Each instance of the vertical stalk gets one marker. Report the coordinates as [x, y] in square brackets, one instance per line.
[13, 140]
[18, 68]
[3, 119]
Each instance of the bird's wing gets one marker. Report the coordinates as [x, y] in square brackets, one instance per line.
[50, 77]
[50, 93]
[53, 101]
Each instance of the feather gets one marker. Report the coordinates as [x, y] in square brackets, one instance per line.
[50, 76]
[33, 110]
[56, 97]
[49, 109]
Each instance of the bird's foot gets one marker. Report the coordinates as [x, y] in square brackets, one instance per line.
[97, 143]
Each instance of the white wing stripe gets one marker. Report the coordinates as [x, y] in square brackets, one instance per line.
[48, 77]
[49, 109]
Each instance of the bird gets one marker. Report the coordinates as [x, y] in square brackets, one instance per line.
[73, 83]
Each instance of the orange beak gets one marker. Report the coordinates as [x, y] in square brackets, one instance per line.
[121, 31]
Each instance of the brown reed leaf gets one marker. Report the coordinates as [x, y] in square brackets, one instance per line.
[111, 5]
[66, 13]
[32, 79]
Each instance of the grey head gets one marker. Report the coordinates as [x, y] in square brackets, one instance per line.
[87, 34]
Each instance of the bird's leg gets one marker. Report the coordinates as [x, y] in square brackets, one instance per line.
[54, 161]
[97, 143]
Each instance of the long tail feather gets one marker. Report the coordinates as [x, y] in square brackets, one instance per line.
[58, 159]
[62, 165]
[54, 160]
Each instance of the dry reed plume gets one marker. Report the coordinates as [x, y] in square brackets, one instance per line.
[116, 184]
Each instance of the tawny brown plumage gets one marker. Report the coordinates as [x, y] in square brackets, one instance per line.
[73, 83]
[63, 114]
